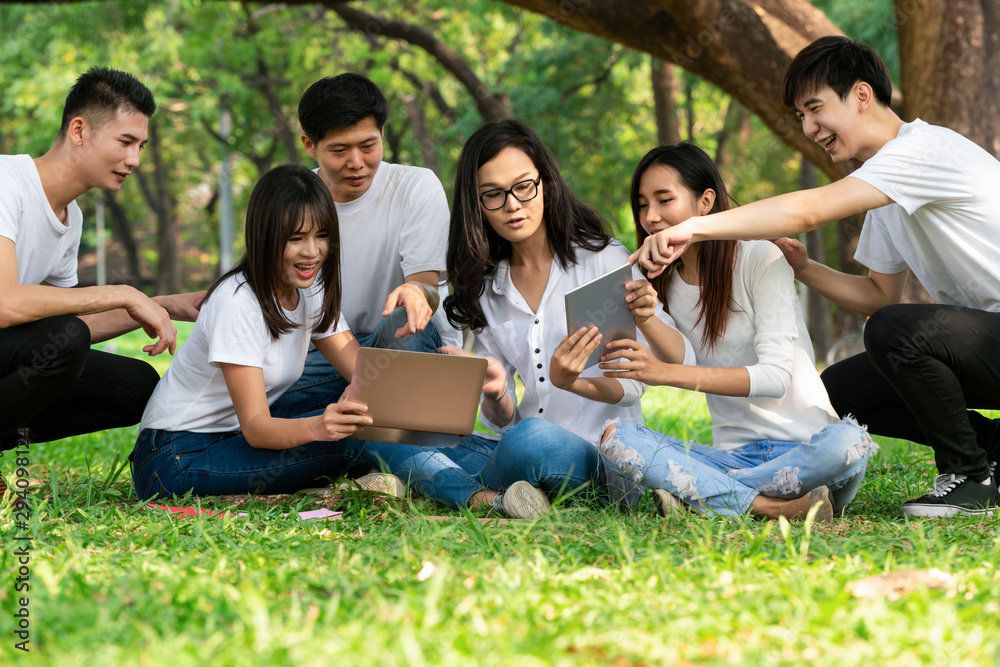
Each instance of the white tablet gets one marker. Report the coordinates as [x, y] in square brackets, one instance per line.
[601, 303]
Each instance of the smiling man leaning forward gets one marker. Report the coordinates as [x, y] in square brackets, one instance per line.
[52, 385]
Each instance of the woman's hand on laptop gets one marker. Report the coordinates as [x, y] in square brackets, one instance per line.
[343, 419]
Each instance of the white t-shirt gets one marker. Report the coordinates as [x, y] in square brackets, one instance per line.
[945, 222]
[46, 248]
[524, 342]
[397, 228]
[767, 335]
[192, 394]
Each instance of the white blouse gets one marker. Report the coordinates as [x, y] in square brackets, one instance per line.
[524, 342]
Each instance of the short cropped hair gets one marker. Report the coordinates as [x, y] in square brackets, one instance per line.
[100, 93]
[837, 62]
[336, 102]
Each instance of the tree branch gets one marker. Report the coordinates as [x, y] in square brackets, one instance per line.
[491, 106]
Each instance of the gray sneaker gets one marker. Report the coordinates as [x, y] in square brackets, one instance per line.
[521, 500]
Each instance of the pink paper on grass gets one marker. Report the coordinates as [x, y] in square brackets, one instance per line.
[322, 513]
[316, 514]
[190, 511]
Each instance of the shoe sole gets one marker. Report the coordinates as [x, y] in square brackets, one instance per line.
[666, 503]
[377, 482]
[943, 511]
[374, 482]
[523, 501]
[821, 496]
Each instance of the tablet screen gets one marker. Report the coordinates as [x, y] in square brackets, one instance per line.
[601, 303]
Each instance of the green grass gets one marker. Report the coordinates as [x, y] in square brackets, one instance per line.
[585, 585]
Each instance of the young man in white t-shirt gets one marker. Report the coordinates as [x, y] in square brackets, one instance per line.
[933, 208]
[393, 229]
[51, 383]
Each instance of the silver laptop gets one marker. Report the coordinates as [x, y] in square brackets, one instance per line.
[417, 398]
[601, 302]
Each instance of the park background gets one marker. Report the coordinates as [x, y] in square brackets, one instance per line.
[601, 82]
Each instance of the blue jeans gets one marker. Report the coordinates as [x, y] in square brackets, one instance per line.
[321, 384]
[169, 463]
[727, 481]
[537, 451]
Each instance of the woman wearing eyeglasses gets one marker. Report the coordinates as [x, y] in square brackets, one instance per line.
[519, 240]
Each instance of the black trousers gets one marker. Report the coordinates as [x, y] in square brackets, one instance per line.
[925, 370]
[52, 382]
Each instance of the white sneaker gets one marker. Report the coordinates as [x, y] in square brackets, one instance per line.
[521, 500]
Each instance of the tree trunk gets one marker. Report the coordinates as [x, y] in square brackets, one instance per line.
[733, 120]
[819, 319]
[950, 66]
[665, 85]
[415, 114]
[158, 196]
[120, 230]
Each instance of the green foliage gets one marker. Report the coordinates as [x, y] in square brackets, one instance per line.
[589, 99]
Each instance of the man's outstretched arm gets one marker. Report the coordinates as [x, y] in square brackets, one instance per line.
[785, 215]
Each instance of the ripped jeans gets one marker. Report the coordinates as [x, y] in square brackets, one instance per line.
[726, 481]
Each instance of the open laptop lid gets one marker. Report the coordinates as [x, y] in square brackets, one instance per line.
[418, 398]
[601, 302]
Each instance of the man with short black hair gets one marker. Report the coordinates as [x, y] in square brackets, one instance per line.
[393, 229]
[52, 385]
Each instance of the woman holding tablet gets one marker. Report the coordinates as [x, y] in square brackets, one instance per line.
[779, 446]
[208, 428]
[519, 240]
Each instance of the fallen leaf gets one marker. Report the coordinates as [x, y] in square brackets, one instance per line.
[894, 585]
[427, 571]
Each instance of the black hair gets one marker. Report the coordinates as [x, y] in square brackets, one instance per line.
[837, 62]
[284, 199]
[336, 102]
[716, 259]
[100, 93]
[475, 249]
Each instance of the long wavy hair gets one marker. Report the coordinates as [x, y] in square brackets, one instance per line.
[716, 259]
[282, 202]
[475, 249]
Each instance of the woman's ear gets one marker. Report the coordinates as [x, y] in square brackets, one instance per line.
[706, 201]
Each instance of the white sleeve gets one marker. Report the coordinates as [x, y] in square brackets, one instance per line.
[423, 239]
[633, 391]
[486, 347]
[876, 248]
[235, 329]
[11, 203]
[770, 284]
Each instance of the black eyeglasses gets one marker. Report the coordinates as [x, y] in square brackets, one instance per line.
[523, 191]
